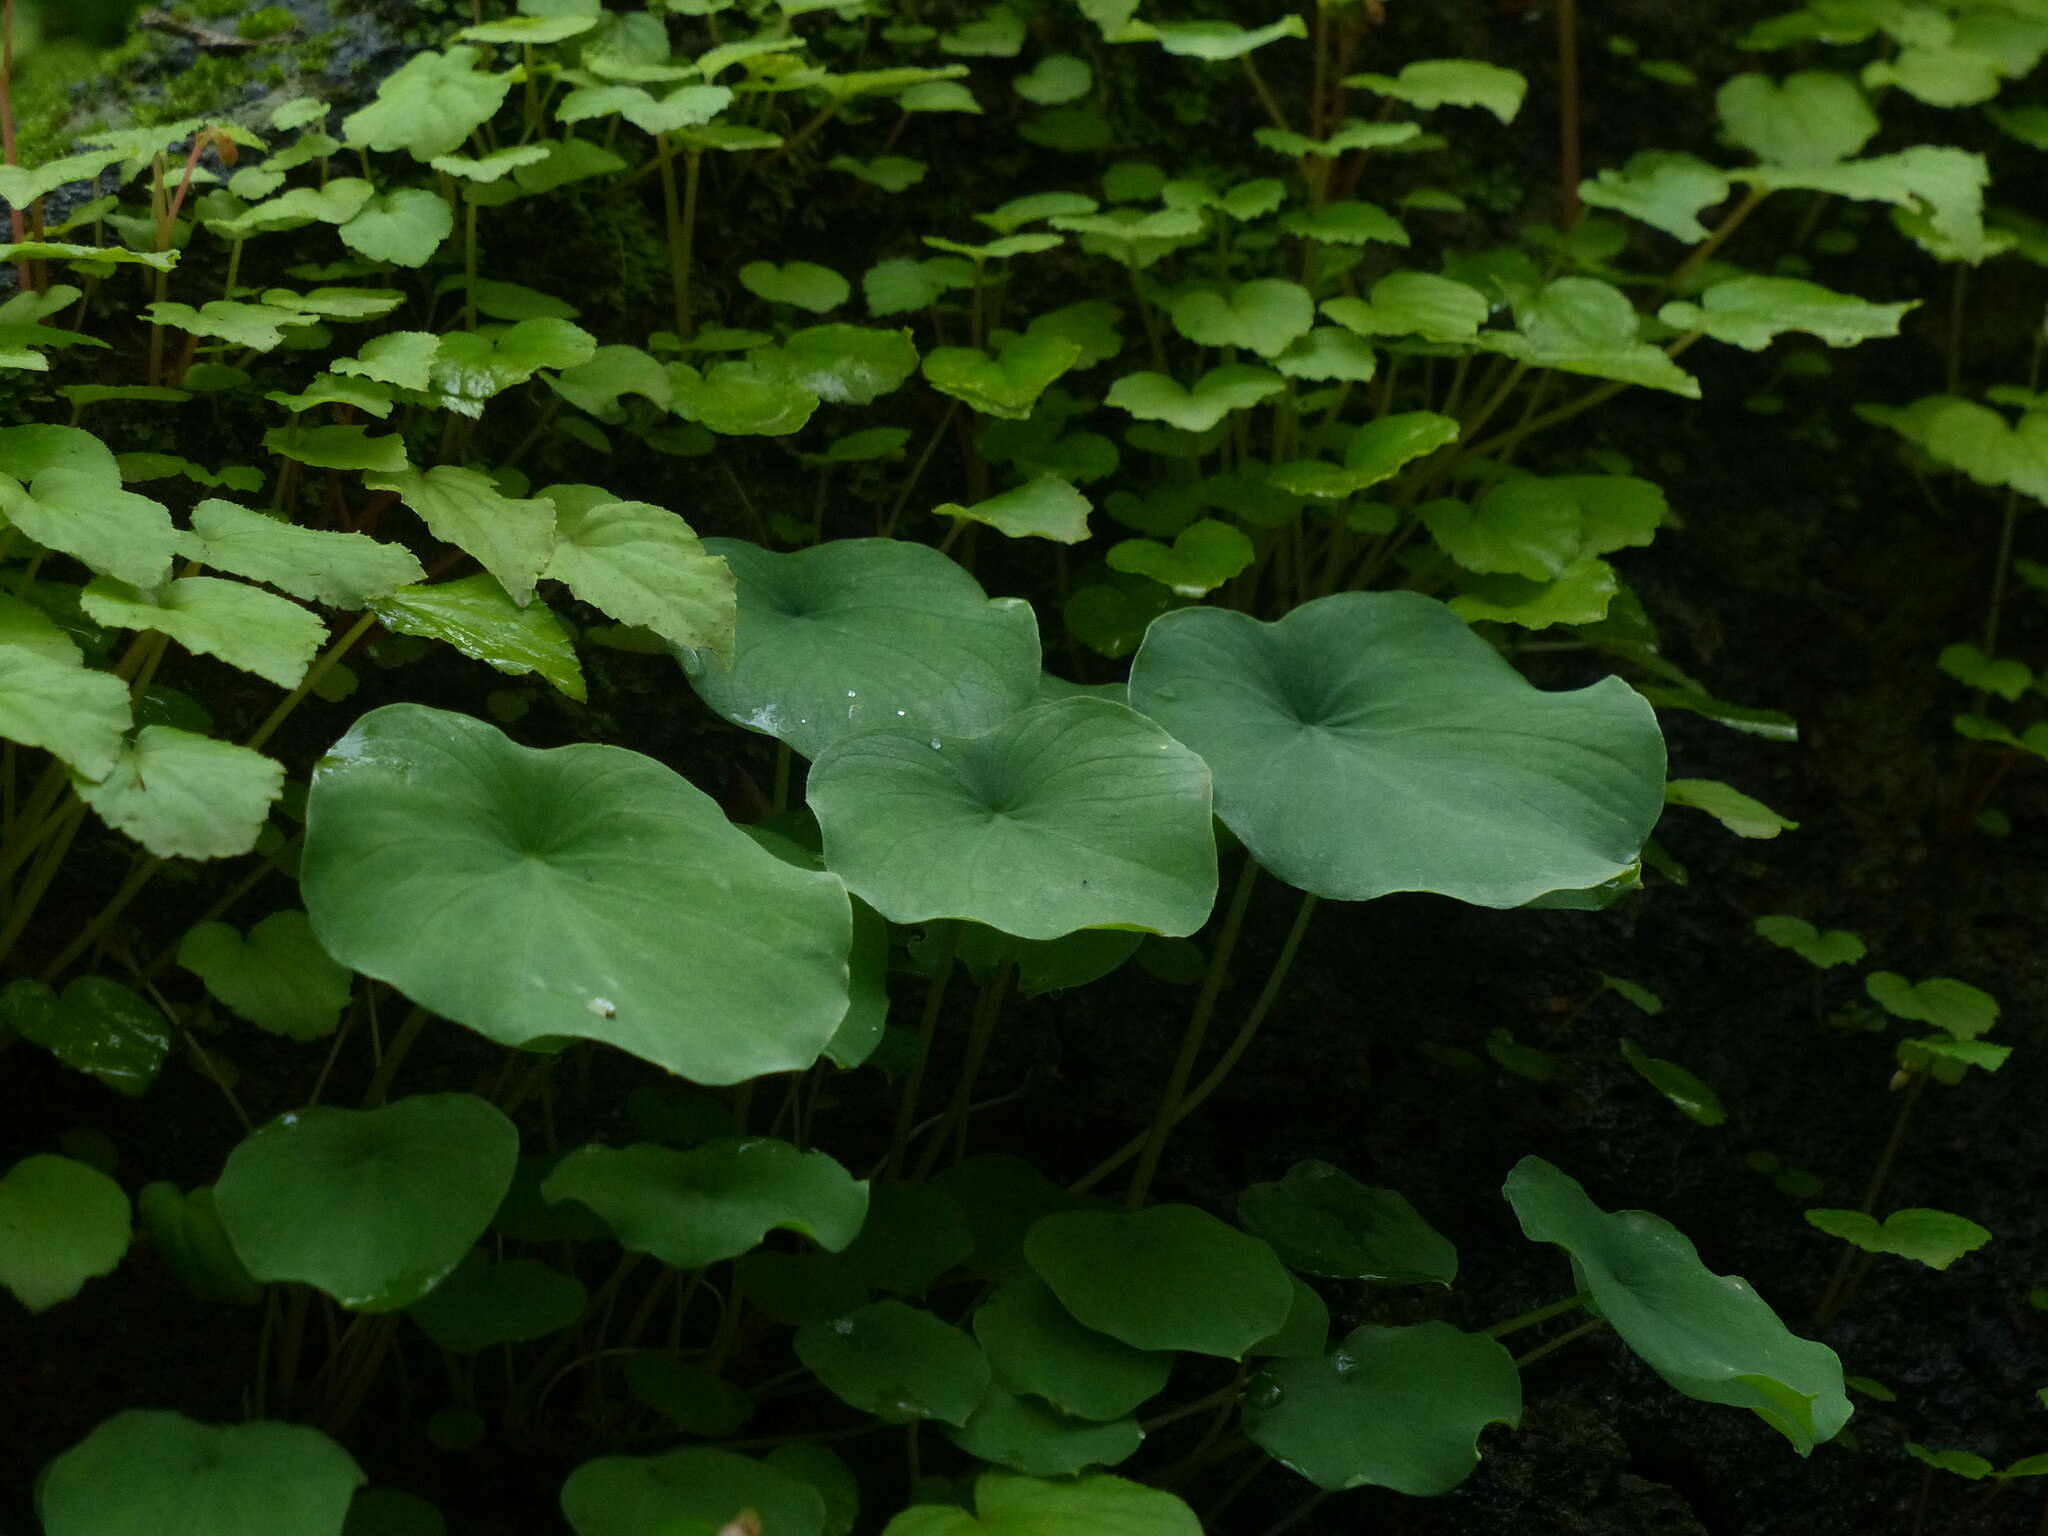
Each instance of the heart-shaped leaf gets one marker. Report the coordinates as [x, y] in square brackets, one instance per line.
[1008, 384]
[1582, 325]
[98, 1026]
[634, 912]
[61, 1224]
[483, 1303]
[1399, 1408]
[803, 284]
[1432, 83]
[1322, 1221]
[404, 227]
[1812, 118]
[1708, 1335]
[1073, 814]
[429, 105]
[1370, 742]
[372, 1206]
[1414, 304]
[643, 1495]
[896, 1362]
[278, 978]
[1037, 1348]
[850, 364]
[184, 796]
[1203, 556]
[73, 712]
[1826, 950]
[715, 1201]
[1935, 1238]
[1233, 387]
[1101, 1505]
[913, 1234]
[760, 395]
[1164, 1278]
[1262, 316]
[148, 1472]
[856, 634]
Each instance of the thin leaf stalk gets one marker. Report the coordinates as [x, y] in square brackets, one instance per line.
[988, 1012]
[927, 1031]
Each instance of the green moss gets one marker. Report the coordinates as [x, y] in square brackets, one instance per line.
[268, 22]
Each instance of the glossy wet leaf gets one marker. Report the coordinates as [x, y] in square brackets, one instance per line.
[1431, 83]
[484, 1303]
[278, 977]
[1710, 1336]
[643, 565]
[644, 918]
[79, 715]
[243, 626]
[850, 364]
[150, 1472]
[1046, 507]
[1202, 557]
[1810, 118]
[1072, 814]
[1688, 1095]
[1739, 813]
[1233, 387]
[96, 1026]
[858, 634]
[715, 1201]
[1097, 1505]
[1934, 1238]
[1037, 1349]
[1399, 1408]
[1370, 742]
[478, 617]
[1956, 1007]
[1028, 1437]
[372, 1206]
[1007, 384]
[62, 1223]
[896, 1362]
[343, 570]
[642, 1495]
[1582, 325]
[1664, 190]
[1826, 950]
[186, 796]
[1751, 312]
[759, 395]
[1321, 1221]
[429, 105]
[1261, 316]
[1169, 1277]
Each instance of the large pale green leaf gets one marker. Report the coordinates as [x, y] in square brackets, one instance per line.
[1750, 312]
[715, 1201]
[1431, 83]
[1006, 1505]
[372, 1206]
[185, 796]
[585, 891]
[1975, 439]
[429, 105]
[149, 1472]
[1540, 527]
[1938, 190]
[1038, 1349]
[337, 447]
[511, 537]
[278, 977]
[896, 1362]
[1582, 325]
[97, 1026]
[1399, 1408]
[1708, 1335]
[74, 712]
[850, 364]
[1666, 191]
[478, 617]
[857, 634]
[62, 1223]
[1413, 304]
[259, 327]
[1046, 507]
[1322, 1221]
[404, 227]
[1007, 384]
[344, 570]
[650, 1495]
[1155, 397]
[642, 565]
[1168, 1277]
[1073, 814]
[472, 367]
[62, 488]
[759, 395]
[244, 626]
[1261, 316]
[1812, 118]
[1370, 742]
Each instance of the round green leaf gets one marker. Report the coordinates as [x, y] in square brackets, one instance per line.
[850, 364]
[638, 1495]
[861, 633]
[897, 1363]
[1031, 1438]
[715, 1201]
[483, 1303]
[148, 1472]
[61, 1224]
[585, 892]
[804, 284]
[1005, 1505]
[1035, 1347]
[1072, 814]
[1165, 1278]
[1709, 1335]
[278, 978]
[1370, 742]
[1398, 1408]
[372, 1206]
[1322, 1221]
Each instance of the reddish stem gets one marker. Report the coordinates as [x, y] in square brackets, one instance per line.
[15, 220]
